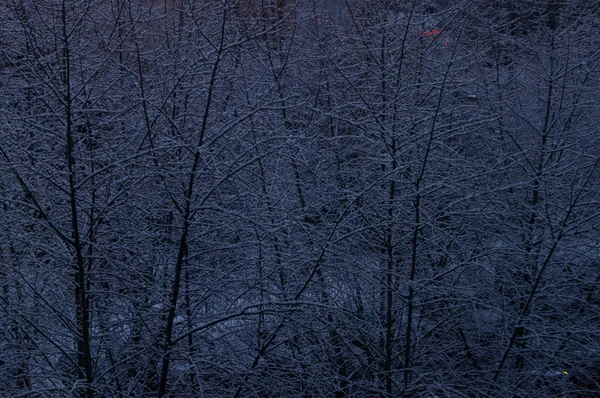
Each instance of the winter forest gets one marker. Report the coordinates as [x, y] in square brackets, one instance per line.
[311, 198]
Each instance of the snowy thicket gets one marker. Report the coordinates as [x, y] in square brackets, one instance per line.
[243, 198]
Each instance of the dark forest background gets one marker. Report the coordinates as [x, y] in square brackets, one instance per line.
[299, 199]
